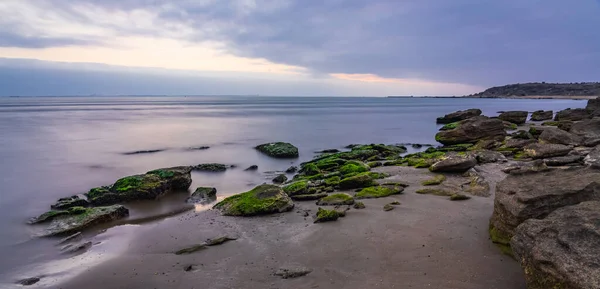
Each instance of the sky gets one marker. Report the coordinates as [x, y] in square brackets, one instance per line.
[293, 47]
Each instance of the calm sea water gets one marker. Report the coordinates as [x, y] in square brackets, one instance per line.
[53, 147]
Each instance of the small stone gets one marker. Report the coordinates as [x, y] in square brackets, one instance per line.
[388, 207]
[286, 273]
[219, 241]
[29, 281]
[459, 197]
[252, 168]
[280, 179]
[359, 205]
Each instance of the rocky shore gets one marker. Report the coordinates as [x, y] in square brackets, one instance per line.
[536, 182]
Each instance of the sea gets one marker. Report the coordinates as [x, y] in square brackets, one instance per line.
[53, 147]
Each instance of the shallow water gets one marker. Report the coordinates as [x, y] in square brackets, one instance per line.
[53, 147]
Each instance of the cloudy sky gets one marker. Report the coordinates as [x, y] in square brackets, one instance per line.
[293, 47]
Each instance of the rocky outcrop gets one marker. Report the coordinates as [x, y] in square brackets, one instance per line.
[540, 115]
[534, 196]
[454, 164]
[589, 128]
[593, 106]
[516, 117]
[559, 136]
[203, 196]
[473, 130]
[542, 150]
[572, 114]
[262, 200]
[541, 89]
[148, 186]
[561, 251]
[279, 150]
[458, 116]
[84, 218]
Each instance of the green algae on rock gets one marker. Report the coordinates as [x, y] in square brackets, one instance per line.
[434, 181]
[324, 215]
[296, 188]
[362, 180]
[80, 218]
[359, 205]
[355, 167]
[280, 179]
[336, 200]
[262, 200]
[379, 192]
[309, 197]
[388, 207]
[281, 150]
[459, 197]
[436, 192]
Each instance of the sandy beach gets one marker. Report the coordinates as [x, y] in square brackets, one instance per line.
[426, 242]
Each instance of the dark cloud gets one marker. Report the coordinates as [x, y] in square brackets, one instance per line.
[479, 42]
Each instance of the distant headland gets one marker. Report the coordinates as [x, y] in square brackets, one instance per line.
[576, 90]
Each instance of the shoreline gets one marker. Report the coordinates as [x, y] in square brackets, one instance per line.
[582, 97]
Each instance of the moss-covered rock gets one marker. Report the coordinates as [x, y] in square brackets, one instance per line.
[211, 167]
[326, 215]
[388, 207]
[435, 191]
[379, 192]
[309, 197]
[278, 150]
[359, 205]
[47, 216]
[79, 218]
[264, 199]
[550, 123]
[333, 181]
[296, 188]
[280, 179]
[459, 197]
[65, 203]
[354, 167]
[450, 126]
[310, 170]
[362, 180]
[438, 179]
[336, 200]
[375, 164]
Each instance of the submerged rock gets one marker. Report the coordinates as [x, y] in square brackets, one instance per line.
[278, 150]
[65, 203]
[516, 117]
[534, 196]
[561, 250]
[71, 223]
[212, 167]
[144, 152]
[291, 170]
[454, 164]
[203, 195]
[252, 168]
[540, 115]
[77, 248]
[148, 186]
[29, 281]
[473, 130]
[458, 116]
[264, 199]
[336, 200]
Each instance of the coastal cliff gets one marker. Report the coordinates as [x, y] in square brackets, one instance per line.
[542, 90]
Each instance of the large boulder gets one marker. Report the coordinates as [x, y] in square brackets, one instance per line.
[561, 251]
[473, 130]
[516, 117]
[543, 150]
[593, 106]
[589, 128]
[540, 115]
[148, 186]
[534, 196]
[458, 116]
[77, 220]
[262, 200]
[454, 164]
[572, 114]
[559, 136]
[281, 150]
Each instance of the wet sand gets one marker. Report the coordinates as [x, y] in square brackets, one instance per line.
[426, 242]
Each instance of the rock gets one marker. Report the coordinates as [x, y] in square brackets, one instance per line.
[459, 197]
[591, 141]
[47, 216]
[587, 128]
[541, 151]
[143, 152]
[77, 248]
[280, 179]
[203, 195]
[336, 200]
[458, 116]
[486, 157]
[516, 117]
[379, 191]
[28, 281]
[534, 196]
[435, 192]
[572, 114]
[359, 205]
[326, 215]
[593, 105]
[329, 151]
[191, 249]
[69, 224]
[593, 158]
[252, 168]
[526, 168]
[74, 201]
[264, 199]
[70, 238]
[388, 207]
[215, 168]
[309, 197]
[219, 241]
[561, 161]
[536, 131]
[559, 136]
[518, 143]
[540, 115]
[438, 179]
[359, 181]
[375, 164]
[473, 130]
[291, 170]
[200, 148]
[454, 164]
[296, 188]
[278, 150]
[477, 185]
[561, 250]
[149, 186]
[509, 125]
[521, 134]
[292, 272]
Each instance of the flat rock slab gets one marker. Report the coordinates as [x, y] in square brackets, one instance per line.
[454, 164]
[545, 150]
[70, 224]
[562, 250]
[292, 272]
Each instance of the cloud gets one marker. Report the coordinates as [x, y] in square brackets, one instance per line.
[478, 42]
